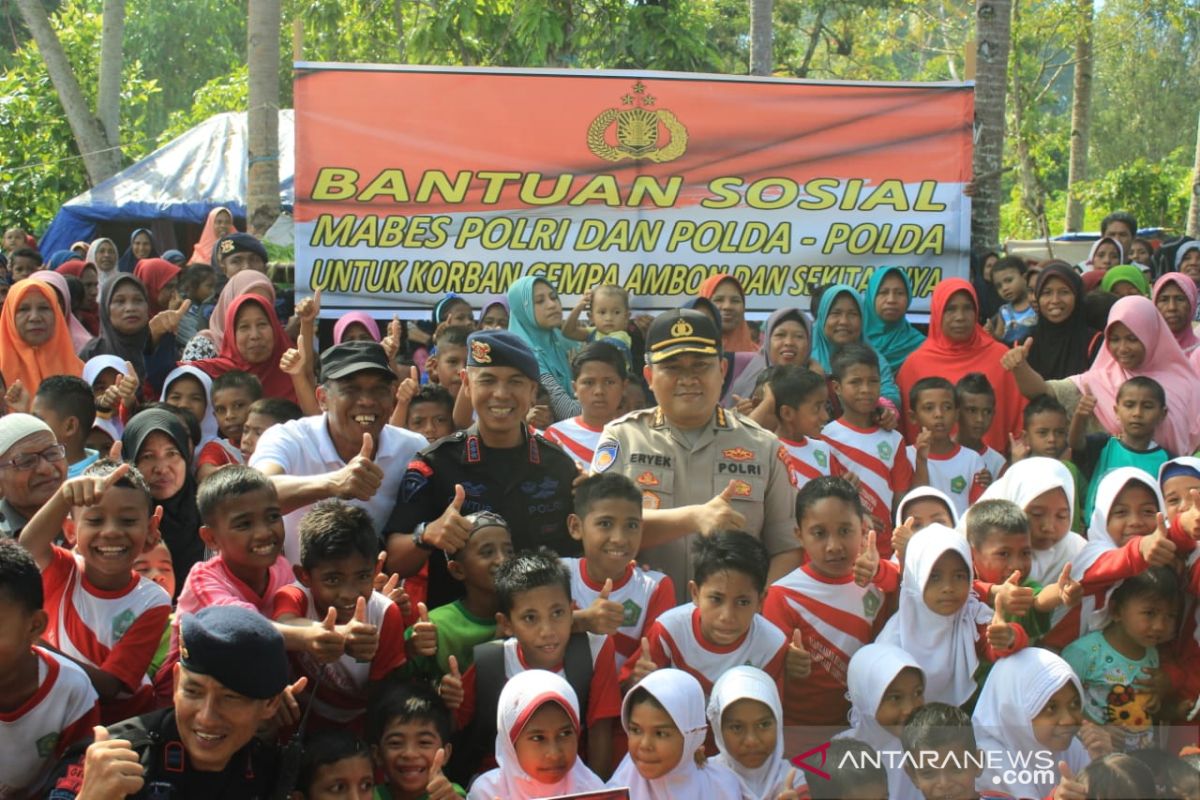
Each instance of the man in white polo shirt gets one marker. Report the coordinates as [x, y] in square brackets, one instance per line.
[350, 451]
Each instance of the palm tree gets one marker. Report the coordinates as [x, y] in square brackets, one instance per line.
[993, 24]
[262, 59]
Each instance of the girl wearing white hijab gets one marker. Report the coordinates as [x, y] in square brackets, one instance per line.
[884, 678]
[750, 696]
[663, 716]
[923, 505]
[1034, 484]
[1031, 703]
[518, 755]
[943, 631]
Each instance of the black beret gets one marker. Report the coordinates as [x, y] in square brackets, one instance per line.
[237, 647]
[237, 243]
[501, 349]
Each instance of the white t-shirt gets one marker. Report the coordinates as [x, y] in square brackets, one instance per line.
[304, 447]
[954, 474]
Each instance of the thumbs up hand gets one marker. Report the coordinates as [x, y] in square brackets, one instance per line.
[719, 514]
[408, 387]
[603, 616]
[111, 768]
[1017, 356]
[424, 634]
[324, 641]
[1012, 598]
[1017, 448]
[1000, 634]
[1087, 403]
[645, 663]
[1157, 549]
[900, 536]
[789, 787]
[867, 563]
[451, 687]
[362, 638]
[1069, 787]
[451, 530]
[1070, 591]
[439, 786]
[391, 586]
[798, 662]
[361, 478]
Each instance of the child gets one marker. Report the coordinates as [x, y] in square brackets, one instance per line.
[880, 466]
[663, 716]
[1017, 315]
[14, 240]
[612, 594]
[976, 410]
[937, 460]
[598, 375]
[493, 315]
[941, 622]
[1125, 536]
[1115, 775]
[264, 413]
[67, 405]
[533, 592]
[1030, 704]
[802, 408]
[537, 744]
[430, 413]
[471, 619]
[827, 606]
[723, 627]
[854, 772]
[608, 309]
[1178, 478]
[1141, 405]
[942, 757]
[747, 721]
[103, 615]
[886, 685]
[232, 395]
[409, 730]
[334, 589]
[1047, 435]
[155, 564]
[1113, 664]
[196, 284]
[114, 387]
[453, 312]
[445, 366]
[49, 703]
[336, 764]
[190, 388]
[919, 509]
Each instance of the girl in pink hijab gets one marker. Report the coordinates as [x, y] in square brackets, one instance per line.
[1156, 355]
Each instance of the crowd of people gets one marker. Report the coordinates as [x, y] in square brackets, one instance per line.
[536, 551]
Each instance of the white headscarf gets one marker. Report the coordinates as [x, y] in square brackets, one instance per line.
[944, 646]
[1016, 690]
[1191, 463]
[1026, 481]
[683, 699]
[209, 429]
[750, 683]
[1094, 614]
[97, 364]
[925, 493]
[105, 276]
[522, 696]
[872, 670]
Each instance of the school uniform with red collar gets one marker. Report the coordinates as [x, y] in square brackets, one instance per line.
[34, 736]
[807, 459]
[877, 457]
[117, 631]
[677, 641]
[645, 594]
[576, 438]
[341, 695]
[835, 617]
[956, 474]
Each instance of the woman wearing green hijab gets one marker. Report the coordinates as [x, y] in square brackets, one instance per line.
[885, 326]
[536, 314]
[840, 321]
[1125, 280]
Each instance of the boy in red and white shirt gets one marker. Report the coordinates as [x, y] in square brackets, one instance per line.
[802, 408]
[866, 454]
[723, 627]
[937, 460]
[611, 593]
[598, 376]
[834, 603]
[334, 589]
[976, 411]
[102, 614]
[52, 700]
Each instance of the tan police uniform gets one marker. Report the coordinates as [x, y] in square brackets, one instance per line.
[672, 472]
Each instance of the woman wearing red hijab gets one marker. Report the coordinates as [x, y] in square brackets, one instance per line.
[161, 278]
[727, 295]
[254, 342]
[956, 346]
[88, 312]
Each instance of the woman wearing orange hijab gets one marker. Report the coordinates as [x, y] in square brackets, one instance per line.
[35, 342]
[218, 224]
[726, 294]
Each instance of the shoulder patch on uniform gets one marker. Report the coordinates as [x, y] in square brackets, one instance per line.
[606, 454]
[421, 466]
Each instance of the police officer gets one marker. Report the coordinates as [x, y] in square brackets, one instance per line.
[232, 676]
[497, 465]
[688, 449]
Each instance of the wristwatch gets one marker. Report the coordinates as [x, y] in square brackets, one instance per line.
[418, 538]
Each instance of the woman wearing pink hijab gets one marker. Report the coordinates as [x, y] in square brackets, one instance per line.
[207, 343]
[1175, 297]
[79, 334]
[344, 329]
[218, 224]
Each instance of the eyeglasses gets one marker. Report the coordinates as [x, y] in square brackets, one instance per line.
[50, 455]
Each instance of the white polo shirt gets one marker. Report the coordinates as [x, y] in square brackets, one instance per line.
[304, 447]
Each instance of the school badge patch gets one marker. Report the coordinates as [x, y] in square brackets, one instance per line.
[885, 451]
[871, 603]
[632, 613]
[957, 484]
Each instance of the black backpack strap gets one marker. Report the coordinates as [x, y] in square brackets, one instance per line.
[577, 664]
[478, 739]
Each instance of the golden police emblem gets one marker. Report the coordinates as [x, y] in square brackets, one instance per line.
[639, 130]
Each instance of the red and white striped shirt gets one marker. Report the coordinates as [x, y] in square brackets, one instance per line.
[877, 457]
[808, 459]
[645, 594]
[115, 631]
[576, 437]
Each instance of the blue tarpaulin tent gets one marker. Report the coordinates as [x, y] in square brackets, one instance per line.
[177, 183]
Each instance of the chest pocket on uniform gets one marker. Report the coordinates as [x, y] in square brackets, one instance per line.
[749, 488]
[657, 486]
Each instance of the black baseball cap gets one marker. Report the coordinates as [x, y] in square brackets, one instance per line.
[679, 331]
[344, 360]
